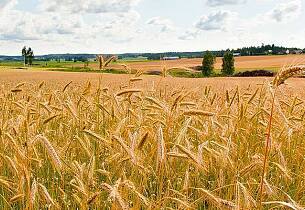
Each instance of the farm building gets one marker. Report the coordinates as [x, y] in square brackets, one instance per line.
[297, 52]
[171, 58]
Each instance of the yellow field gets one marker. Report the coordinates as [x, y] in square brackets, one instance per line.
[91, 141]
[241, 63]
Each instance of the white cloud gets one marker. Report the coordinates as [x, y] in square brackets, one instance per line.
[216, 20]
[51, 23]
[165, 23]
[286, 11]
[114, 27]
[88, 6]
[214, 3]
[7, 4]
[112, 20]
[189, 35]
[17, 26]
[13, 26]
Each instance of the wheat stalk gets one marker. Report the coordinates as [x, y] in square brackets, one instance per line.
[33, 193]
[286, 73]
[51, 151]
[161, 153]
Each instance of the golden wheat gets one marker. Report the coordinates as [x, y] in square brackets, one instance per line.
[144, 145]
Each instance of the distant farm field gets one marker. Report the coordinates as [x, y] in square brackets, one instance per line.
[241, 63]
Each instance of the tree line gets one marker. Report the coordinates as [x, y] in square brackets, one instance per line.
[264, 49]
[245, 51]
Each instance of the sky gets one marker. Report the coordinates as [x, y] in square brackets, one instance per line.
[122, 26]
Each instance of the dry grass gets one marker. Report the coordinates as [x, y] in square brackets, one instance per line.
[149, 143]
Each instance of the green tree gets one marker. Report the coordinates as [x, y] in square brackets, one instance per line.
[24, 54]
[228, 63]
[30, 55]
[208, 63]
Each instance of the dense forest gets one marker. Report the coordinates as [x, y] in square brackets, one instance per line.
[265, 49]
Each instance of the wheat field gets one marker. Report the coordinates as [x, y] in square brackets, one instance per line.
[136, 144]
[241, 63]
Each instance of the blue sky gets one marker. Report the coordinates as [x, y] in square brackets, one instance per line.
[119, 26]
